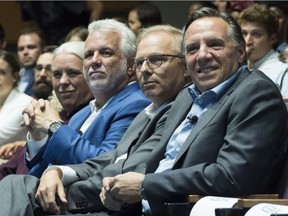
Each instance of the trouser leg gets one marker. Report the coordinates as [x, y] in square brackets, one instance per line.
[17, 194]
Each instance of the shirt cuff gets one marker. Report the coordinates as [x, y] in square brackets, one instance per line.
[69, 175]
[33, 147]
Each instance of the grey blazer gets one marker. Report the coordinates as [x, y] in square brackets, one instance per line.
[237, 148]
[139, 140]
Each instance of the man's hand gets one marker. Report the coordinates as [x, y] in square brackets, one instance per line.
[50, 193]
[121, 189]
[106, 197]
[38, 116]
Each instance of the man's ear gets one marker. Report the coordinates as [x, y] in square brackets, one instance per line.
[130, 71]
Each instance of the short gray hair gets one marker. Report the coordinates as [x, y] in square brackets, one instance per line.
[73, 47]
[128, 38]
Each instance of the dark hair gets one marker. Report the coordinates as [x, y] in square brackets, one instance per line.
[33, 30]
[148, 14]
[235, 33]
[11, 59]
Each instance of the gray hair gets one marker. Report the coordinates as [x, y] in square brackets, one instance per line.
[176, 33]
[128, 38]
[73, 47]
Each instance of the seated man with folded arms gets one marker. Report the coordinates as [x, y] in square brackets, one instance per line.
[99, 126]
[79, 97]
[161, 72]
[226, 135]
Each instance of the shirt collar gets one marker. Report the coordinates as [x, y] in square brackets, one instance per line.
[218, 90]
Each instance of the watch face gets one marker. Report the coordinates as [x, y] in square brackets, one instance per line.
[55, 126]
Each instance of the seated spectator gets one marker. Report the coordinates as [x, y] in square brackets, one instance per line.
[259, 27]
[161, 83]
[12, 102]
[72, 103]
[97, 128]
[77, 34]
[143, 16]
[42, 88]
[29, 47]
[220, 127]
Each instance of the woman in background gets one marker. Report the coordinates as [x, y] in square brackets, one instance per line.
[12, 102]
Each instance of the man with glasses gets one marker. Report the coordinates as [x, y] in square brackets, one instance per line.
[225, 135]
[161, 77]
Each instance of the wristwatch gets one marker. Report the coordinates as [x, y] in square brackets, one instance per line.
[53, 127]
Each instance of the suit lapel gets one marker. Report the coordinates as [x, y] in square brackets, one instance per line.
[209, 115]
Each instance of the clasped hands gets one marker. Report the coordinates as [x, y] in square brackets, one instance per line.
[121, 189]
[38, 116]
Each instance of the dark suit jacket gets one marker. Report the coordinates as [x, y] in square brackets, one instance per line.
[237, 148]
[139, 140]
[69, 146]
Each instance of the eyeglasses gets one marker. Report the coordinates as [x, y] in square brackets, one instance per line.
[153, 61]
[40, 67]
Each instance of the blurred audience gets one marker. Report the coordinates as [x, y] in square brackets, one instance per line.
[12, 102]
[77, 34]
[142, 16]
[66, 16]
[29, 47]
[259, 27]
[71, 103]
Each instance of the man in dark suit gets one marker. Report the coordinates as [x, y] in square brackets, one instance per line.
[161, 79]
[225, 135]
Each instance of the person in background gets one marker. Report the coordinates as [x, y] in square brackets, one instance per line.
[72, 103]
[77, 34]
[259, 27]
[161, 72]
[66, 16]
[42, 88]
[97, 128]
[142, 16]
[230, 124]
[3, 41]
[12, 102]
[280, 9]
[29, 47]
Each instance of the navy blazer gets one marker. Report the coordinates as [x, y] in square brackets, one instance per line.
[69, 146]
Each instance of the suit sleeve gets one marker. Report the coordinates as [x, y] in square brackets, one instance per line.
[238, 152]
[67, 146]
[88, 188]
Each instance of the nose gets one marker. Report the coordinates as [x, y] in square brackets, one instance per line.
[248, 39]
[43, 72]
[204, 53]
[64, 78]
[145, 69]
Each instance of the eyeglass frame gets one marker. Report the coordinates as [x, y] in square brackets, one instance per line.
[47, 68]
[132, 61]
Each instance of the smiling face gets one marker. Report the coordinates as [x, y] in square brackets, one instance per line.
[68, 81]
[211, 56]
[105, 69]
[162, 83]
